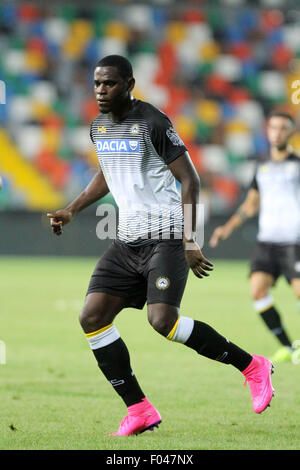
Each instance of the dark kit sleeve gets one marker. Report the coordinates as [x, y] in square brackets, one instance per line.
[253, 184]
[165, 139]
[91, 135]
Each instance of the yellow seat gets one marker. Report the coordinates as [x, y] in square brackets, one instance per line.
[38, 191]
[186, 128]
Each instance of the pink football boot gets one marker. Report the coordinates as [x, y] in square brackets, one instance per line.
[258, 376]
[141, 417]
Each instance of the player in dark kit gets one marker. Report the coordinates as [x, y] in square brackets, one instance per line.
[274, 192]
[141, 157]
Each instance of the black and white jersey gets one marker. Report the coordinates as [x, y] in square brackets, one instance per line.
[278, 184]
[134, 155]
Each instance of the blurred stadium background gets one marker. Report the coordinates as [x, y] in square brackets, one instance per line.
[216, 68]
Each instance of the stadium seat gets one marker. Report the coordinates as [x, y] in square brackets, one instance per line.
[214, 70]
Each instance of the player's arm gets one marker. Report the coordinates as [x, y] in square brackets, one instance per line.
[185, 172]
[95, 190]
[246, 210]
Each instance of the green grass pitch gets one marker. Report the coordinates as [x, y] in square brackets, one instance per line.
[53, 395]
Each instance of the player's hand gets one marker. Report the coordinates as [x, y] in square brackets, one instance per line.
[220, 233]
[196, 260]
[58, 219]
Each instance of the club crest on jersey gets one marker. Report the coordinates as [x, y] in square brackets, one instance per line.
[264, 168]
[162, 283]
[135, 129]
[118, 145]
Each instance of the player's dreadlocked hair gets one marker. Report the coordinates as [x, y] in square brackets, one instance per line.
[121, 63]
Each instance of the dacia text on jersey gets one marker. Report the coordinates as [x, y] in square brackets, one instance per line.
[118, 145]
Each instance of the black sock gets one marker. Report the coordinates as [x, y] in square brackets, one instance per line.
[207, 342]
[114, 362]
[273, 321]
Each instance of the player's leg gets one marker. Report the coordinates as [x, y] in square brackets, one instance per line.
[206, 341]
[113, 359]
[110, 351]
[167, 276]
[268, 262]
[197, 335]
[168, 271]
[263, 302]
[114, 285]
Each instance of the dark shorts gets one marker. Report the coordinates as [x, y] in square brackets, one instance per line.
[155, 273]
[276, 260]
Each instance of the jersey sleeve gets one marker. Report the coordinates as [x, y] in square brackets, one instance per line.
[253, 184]
[91, 133]
[165, 139]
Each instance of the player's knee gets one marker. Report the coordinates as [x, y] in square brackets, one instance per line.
[87, 319]
[259, 293]
[99, 311]
[162, 319]
[160, 325]
[91, 319]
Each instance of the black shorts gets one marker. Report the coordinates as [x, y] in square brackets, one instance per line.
[276, 260]
[155, 273]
